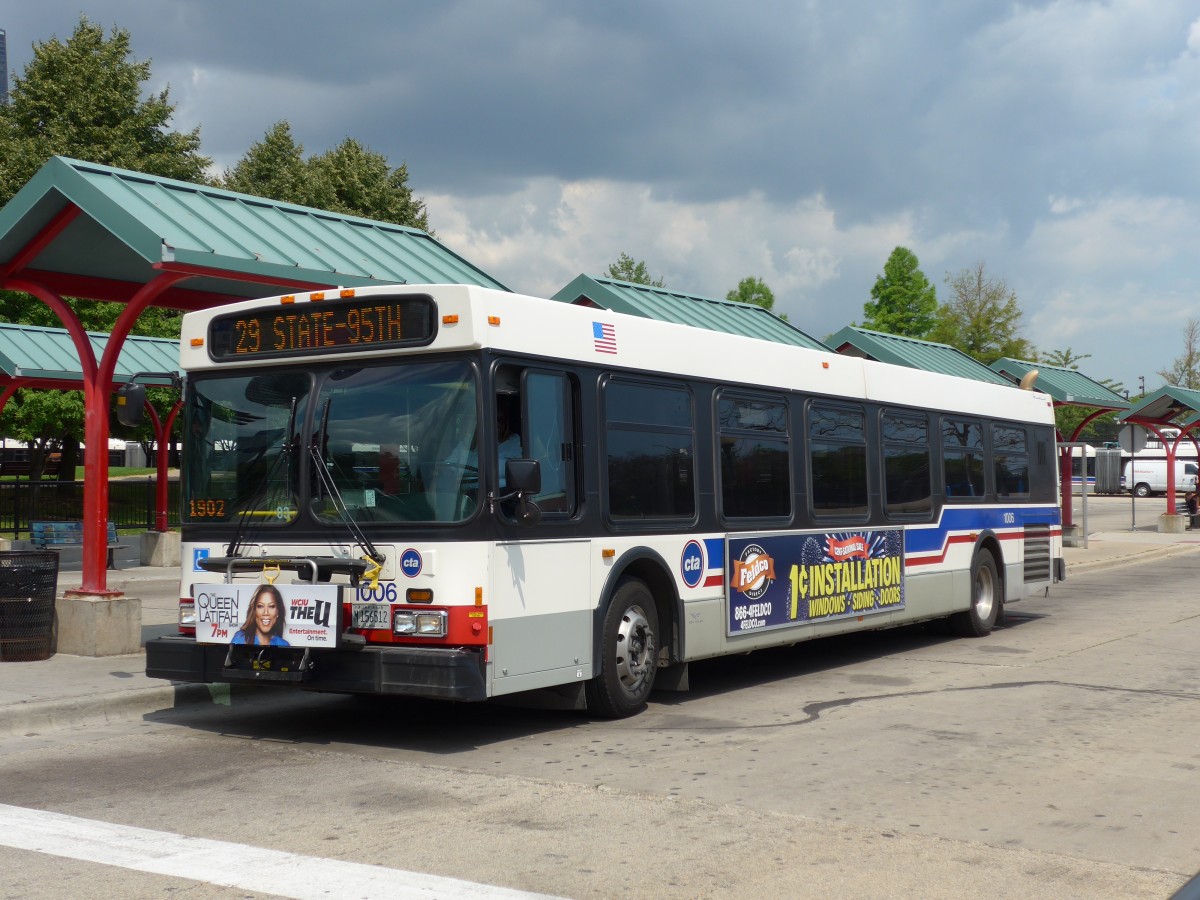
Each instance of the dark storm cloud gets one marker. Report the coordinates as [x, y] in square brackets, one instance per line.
[1056, 140]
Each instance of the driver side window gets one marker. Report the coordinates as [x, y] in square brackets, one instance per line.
[548, 423]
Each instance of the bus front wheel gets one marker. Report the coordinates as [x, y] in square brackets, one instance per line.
[629, 653]
[985, 599]
[1142, 490]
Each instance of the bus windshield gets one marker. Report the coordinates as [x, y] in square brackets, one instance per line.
[397, 443]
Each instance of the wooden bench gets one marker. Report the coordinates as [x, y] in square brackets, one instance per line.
[53, 535]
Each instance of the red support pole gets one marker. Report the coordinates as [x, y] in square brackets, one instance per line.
[164, 459]
[162, 436]
[97, 389]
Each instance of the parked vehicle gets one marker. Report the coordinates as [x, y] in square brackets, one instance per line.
[1149, 476]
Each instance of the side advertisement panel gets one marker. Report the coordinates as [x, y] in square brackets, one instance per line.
[286, 615]
[794, 579]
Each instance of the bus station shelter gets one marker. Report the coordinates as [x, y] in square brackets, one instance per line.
[1066, 387]
[899, 350]
[650, 302]
[83, 230]
[1168, 407]
[44, 358]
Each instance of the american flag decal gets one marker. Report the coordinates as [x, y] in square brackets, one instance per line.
[604, 337]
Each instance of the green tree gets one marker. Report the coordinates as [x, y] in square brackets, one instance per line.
[354, 180]
[83, 98]
[982, 318]
[273, 167]
[1184, 371]
[349, 179]
[752, 289]
[905, 303]
[626, 269]
[1064, 359]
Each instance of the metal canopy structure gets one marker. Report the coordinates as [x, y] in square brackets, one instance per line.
[1066, 387]
[83, 230]
[44, 358]
[1173, 407]
[911, 352]
[649, 302]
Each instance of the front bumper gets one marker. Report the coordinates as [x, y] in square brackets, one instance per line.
[443, 674]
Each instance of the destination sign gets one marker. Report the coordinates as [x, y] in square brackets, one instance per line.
[368, 323]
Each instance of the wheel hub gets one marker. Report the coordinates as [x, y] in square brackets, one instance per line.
[635, 648]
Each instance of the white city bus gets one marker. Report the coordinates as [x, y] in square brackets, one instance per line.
[463, 493]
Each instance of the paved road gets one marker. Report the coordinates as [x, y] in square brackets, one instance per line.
[1056, 758]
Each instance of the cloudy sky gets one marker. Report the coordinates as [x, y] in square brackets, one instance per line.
[1056, 142]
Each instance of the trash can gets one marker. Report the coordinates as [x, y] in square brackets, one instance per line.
[28, 586]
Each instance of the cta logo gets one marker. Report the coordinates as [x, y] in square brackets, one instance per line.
[410, 563]
[753, 572]
[691, 564]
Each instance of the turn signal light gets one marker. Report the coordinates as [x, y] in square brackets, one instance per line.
[418, 595]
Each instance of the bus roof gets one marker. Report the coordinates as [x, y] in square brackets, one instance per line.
[470, 318]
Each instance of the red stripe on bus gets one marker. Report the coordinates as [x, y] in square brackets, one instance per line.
[967, 539]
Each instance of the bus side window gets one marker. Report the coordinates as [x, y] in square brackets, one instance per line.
[549, 438]
[962, 458]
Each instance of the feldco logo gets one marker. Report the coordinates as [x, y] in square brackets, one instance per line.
[691, 564]
[753, 572]
[410, 563]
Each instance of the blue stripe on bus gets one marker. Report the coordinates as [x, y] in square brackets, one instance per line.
[932, 538]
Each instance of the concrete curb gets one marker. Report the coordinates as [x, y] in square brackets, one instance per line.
[1138, 554]
[114, 707]
[36, 716]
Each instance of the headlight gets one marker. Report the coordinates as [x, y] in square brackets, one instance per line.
[422, 624]
[187, 614]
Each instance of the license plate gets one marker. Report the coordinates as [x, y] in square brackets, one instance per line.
[371, 615]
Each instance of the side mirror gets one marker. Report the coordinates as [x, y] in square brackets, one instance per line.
[523, 476]
[131, 401]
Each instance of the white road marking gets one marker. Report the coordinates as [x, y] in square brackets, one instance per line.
[227, 864]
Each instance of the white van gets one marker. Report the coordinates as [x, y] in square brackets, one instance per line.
[1149, 476]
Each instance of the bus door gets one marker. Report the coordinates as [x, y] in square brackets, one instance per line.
[541, 606]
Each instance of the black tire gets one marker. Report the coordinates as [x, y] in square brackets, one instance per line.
[1141, 489]
[986, 599]
[628, 653]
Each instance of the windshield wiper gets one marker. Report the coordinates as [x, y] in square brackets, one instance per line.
[320, 443]
[290, 442]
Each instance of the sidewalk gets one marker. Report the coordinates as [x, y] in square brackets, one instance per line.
[71, 691]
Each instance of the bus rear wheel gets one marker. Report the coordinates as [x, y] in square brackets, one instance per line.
[985, 599]
[629, 653]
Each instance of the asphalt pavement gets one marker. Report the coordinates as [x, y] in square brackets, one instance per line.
[70, 691]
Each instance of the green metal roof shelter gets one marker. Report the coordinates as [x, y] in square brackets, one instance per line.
[79, 229]
[1174, 407]
[650, 302]
[914, 353]
[1066, 387]
[45, 358]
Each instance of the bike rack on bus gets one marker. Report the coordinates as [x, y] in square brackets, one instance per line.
[320, 568]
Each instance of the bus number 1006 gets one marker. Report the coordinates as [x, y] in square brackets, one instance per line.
[206, 509]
